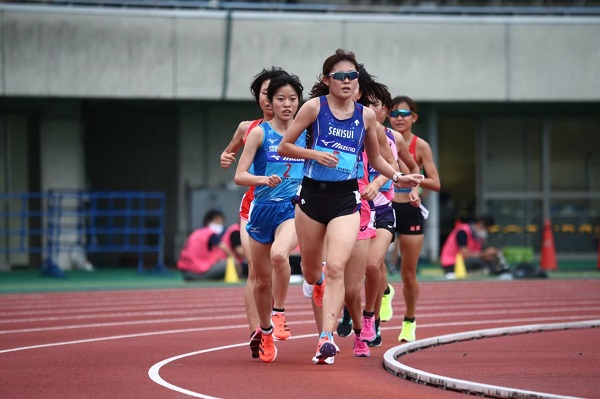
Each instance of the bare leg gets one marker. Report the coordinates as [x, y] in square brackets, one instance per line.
[411, 249]
[251, 313]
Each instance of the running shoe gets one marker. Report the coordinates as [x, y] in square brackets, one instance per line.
[408, 332]
[368, 329]
[281, 331]
[344, 327]
[267, 350]
[255, 338]
[319, 290]
[361, 349]
[377, 340]
[387, 311]
[307, 289]
[326, 349]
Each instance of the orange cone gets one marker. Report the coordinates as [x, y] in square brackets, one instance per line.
[548, 257]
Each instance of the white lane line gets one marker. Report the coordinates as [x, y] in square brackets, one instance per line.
[154, 371]
[394, 366]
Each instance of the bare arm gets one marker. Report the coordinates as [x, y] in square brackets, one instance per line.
[242, 175]
[228, 154]
[375, 158]
[425, 156]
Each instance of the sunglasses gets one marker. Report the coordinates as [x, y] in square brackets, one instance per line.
[341, 76]
[402, 112]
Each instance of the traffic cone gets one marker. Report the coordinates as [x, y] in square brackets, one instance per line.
[548, 256]
[460, 270]
[231, 274]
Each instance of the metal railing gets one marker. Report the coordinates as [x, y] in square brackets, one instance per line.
[439, 7]
[55, 222]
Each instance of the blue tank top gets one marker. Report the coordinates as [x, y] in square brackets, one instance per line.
[344, 138]
[268, 162]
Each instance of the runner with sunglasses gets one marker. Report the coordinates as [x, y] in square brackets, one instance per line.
[328, 200]
[411, 219]
[258, 88]
[271, 222]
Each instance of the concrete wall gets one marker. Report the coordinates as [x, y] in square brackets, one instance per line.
[87, 52]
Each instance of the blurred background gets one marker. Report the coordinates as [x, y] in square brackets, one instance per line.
[143, 95]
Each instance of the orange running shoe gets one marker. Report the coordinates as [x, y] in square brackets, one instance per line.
[281, 331]
[319, 290]
[267, 350]
[326, 350]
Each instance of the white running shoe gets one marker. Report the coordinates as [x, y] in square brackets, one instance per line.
[307, 290]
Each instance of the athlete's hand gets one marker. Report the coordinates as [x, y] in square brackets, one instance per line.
[273, 180]
[409, 180]
[414, 198]
[326, 159]
[227, 159]
[370, 192]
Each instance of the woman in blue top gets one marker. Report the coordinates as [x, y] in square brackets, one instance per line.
[271, 221]
[328, 199]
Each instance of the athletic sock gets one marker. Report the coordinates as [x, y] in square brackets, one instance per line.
[409, 319]
[368, 314]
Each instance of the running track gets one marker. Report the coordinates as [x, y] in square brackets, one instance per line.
[191, 342]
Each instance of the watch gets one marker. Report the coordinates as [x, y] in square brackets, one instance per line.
[396, 175]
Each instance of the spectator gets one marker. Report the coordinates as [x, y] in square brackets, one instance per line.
[469, 240]
[202, 257]
[231, 243]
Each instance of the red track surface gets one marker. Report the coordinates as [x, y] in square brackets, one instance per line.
[105, 344]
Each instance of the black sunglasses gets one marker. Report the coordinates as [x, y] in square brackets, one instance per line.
[402, 112]
[343, 75]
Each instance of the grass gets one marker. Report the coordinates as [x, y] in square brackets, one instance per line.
[105, 278]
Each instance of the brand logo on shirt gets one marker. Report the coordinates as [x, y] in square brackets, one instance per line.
[342, 133]
[344, 147]
[356, 122]
[327, 143]
[276, 157]
[272, 141]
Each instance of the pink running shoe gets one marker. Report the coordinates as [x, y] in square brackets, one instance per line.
[368, 333]
[361, 349]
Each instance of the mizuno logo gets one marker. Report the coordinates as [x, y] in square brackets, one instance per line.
[272, 141]
[327, 143]
[276, 157]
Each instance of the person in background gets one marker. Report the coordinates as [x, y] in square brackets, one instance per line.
[411, 215]
[468, 239]
[202, 257]
[231, 243]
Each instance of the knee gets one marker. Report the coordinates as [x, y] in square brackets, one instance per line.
[279, 259]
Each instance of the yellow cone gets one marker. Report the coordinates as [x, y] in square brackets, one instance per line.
[231, 275]
[460, 271]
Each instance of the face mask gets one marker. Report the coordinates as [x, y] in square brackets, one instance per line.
[481, 234]
[217, 228]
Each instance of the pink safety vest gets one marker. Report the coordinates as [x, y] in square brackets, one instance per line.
[226, 239]
[195, 256]
[450, 247]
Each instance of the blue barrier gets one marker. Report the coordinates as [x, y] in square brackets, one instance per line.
[55, 222]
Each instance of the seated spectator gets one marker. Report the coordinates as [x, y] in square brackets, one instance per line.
[202, 257]
[231, 243]
[469, 240]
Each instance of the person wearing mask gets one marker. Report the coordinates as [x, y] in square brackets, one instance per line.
[468, 239]
[202, 256]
